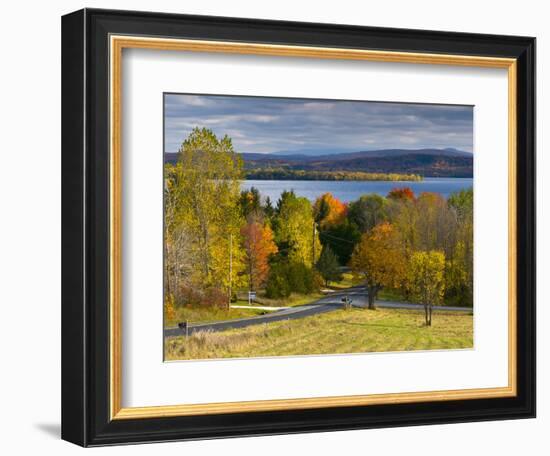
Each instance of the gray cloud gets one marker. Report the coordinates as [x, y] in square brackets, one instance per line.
[266, 125]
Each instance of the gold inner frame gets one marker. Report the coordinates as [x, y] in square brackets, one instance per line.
[117, 44]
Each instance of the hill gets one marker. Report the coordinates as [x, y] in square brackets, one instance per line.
[424, 162]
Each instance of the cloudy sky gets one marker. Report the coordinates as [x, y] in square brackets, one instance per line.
[267, 125]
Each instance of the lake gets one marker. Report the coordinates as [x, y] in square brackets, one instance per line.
[347, 191]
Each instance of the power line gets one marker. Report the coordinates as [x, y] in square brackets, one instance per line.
[336, 237]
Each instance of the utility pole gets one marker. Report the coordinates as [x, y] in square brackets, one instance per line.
[230, 268]
[313, 243]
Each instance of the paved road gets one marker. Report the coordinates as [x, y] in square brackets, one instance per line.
[328, 303]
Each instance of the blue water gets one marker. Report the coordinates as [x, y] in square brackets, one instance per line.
[347, 191]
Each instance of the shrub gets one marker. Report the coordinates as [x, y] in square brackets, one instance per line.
[169, 311]
[287, 277]
[214, 297]
[277, 285]
[328, 266]
[300, 278]
[197, 297]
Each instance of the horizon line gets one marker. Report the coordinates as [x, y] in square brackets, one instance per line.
[353, 150]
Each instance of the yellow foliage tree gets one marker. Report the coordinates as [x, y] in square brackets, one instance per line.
[295, 227]
[206, 180]
[426, 277]
[378, 260]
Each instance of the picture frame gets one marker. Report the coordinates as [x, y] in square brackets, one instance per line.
[92, 173]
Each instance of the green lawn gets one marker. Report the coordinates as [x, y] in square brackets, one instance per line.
[294, 299]
[346, 282]
[341, 331]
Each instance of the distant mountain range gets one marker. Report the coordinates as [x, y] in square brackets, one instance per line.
[308, 152]
[447, 162]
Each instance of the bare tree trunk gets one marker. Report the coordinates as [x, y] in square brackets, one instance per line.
[426, 314]
[167, 272]
[430, 315]
[372, 296]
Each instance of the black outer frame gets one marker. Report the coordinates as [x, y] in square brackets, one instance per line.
[85, 227]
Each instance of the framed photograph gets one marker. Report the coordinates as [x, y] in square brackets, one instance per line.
[278, 227]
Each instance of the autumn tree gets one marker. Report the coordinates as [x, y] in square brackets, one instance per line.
[459, 271]
[435, 224]
[401, 193]
[403, 215]
[258, 245]
[426, 279]
[328, 210]
[378, 261]
[206, 184]
[178, 255]
[328, 266]
[335, 230]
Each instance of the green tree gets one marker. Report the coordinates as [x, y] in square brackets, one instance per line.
[300, 277]
[286, 195]
[462, 202]
[295, 229]
[277, 285]
[250, 203]
[341, 239]
[328, 266]
[321, 209]
[268, 208]
[286, 277]
[426, 279]
[368, 211]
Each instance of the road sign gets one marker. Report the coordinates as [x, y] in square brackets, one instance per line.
[252, 295]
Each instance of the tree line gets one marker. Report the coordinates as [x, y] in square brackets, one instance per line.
[300, 174]
[219, 239]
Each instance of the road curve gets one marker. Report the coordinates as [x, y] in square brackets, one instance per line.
[328, 303]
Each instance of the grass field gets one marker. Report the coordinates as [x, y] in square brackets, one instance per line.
[294, 299]
[210, 314]
[341, 331]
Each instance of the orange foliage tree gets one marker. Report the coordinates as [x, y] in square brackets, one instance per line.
[378, 260]
[328, 210]
[401, 193]
[258, 245]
